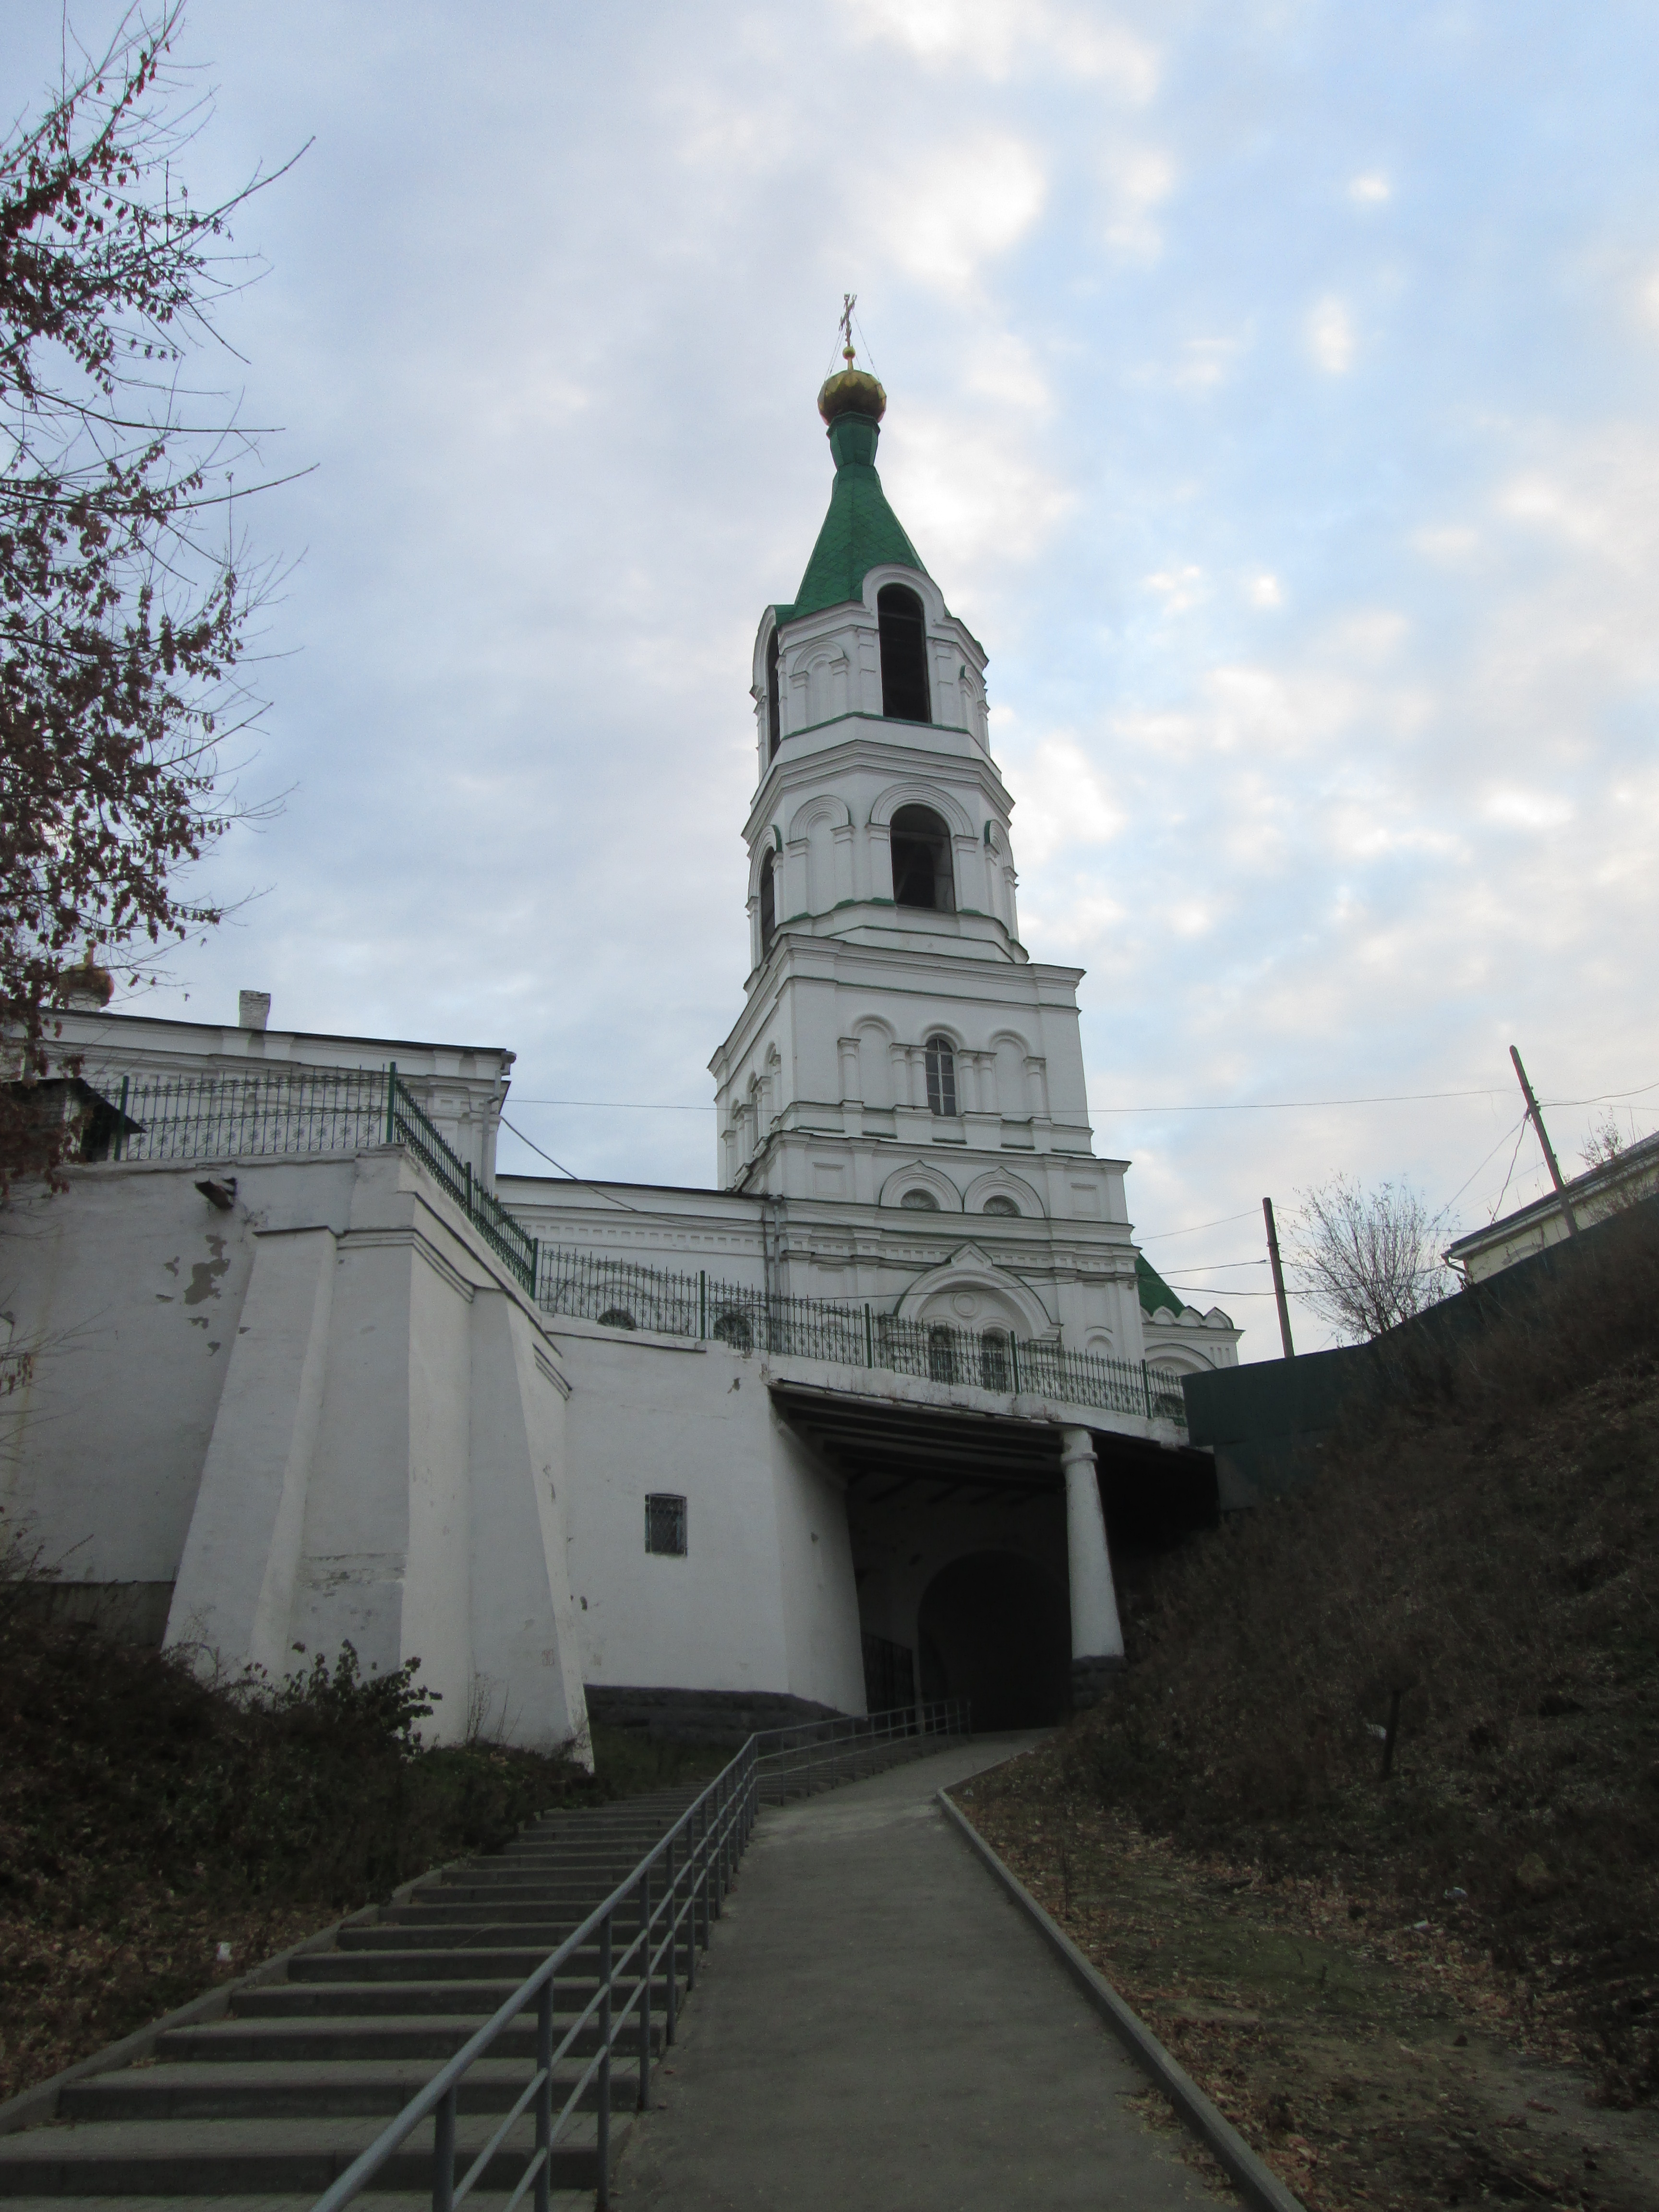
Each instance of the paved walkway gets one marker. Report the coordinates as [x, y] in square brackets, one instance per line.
[880, 2027]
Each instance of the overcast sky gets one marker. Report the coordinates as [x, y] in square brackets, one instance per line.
[1271, 389]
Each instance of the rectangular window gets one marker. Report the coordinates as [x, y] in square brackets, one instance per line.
[664, 1525]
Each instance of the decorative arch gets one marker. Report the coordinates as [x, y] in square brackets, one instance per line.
[917, 1175]
[915, 793]
[998, 1297]
[913, 580]
[998, 1182]
[822, 807]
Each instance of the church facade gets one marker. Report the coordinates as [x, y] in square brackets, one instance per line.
[846, 1428]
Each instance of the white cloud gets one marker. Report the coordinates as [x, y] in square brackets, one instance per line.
[966, 491]
[1266, 591]
[1330, 336]
[1647, 299]
[994, 37]
[1514, 808]
[1449, 544]
[944, 215]
[1370, 189]
[1064, 801]
[1003, 369]
[1138, 180]
[1206, 362]
[1178, 588]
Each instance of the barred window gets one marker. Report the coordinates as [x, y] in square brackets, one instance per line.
[998, 1204]
[942, 1355]
[993, 1360]
[732, 1327]
[664, 1525]
[617, 1317]
[941, 1076]
[920, 1202]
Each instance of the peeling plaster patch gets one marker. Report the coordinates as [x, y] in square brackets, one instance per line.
[213, 1344]
[164, 1298]
[203, 1276]
[171, 1266]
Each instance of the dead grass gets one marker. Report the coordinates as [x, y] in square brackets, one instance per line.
[1483, 1545]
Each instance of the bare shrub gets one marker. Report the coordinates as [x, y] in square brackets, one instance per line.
[1367, 1260]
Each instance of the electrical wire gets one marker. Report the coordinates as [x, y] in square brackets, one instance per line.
[584, 1181]
[1163, 1234]
[1519, 1136]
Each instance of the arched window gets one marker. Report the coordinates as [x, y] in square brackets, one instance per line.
[941, 1076]
[998, 1204]
[903, 655]
[922, 861]
[617, 1317]
[920, 1202]
[769, 905]
[774, 715]
[994, 1358]
[732, 1327]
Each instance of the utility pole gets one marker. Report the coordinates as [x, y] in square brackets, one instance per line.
[1278, 1279]
[1537, 1121]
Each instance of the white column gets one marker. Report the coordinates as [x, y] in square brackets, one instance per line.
[1097, 1636]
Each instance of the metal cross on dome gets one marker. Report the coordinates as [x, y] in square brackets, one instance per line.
[848, 301]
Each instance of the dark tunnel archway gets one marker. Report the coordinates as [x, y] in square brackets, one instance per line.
[993, 1627]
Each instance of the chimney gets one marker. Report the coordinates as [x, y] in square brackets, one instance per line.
[252, 1009]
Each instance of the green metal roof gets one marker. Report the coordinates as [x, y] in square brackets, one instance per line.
[860, 531]
[1154, 1290]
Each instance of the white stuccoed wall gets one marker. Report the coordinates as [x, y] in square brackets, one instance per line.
[764, 1599]
[324, 1415]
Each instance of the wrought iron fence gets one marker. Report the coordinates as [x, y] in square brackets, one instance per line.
[505, 1234]
[625, 1294]
[647, 1936]
[324, 1110]
[307, 1111]
[198, 1117]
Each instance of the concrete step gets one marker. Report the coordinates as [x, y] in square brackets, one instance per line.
[300, 2089]
[541, 1935]
[391, 2200]
[567, 1912]
[334, 2000]
[431, 2039]
[218, 2157]
[495, 1964]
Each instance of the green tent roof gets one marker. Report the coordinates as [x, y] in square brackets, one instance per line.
[1154, 1290]
[860, 531]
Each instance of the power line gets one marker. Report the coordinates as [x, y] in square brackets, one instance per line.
[1161, 1235]
[566, 1172]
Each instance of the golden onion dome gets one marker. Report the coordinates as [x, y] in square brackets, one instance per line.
[852, 391]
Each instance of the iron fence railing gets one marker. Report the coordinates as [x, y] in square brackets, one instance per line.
[332, 1110]
[812, 1755]
[627, 1294]
[198, 1117]
[647, 1934]
[307, 1110]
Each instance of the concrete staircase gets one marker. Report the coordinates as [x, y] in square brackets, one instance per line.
[263, 2109]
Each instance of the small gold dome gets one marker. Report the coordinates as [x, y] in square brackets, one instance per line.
[852, 391]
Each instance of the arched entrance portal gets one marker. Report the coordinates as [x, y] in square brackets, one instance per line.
[993, 1627]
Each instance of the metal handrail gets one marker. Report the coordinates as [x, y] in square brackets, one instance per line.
[717, 1826]
[842, 1745]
